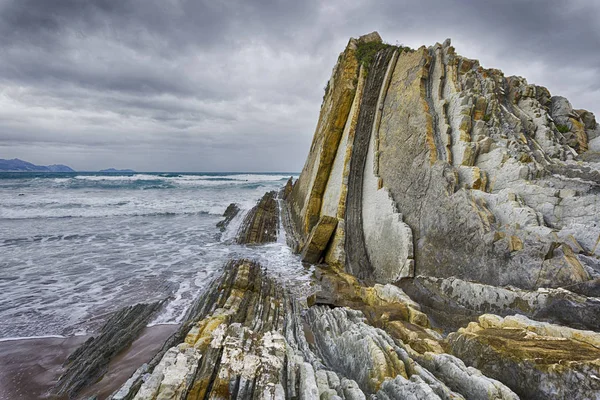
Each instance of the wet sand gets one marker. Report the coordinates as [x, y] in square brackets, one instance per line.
[30, 367]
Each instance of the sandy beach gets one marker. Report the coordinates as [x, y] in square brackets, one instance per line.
[30, 367]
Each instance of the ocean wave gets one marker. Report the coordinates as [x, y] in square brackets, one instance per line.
[162, 181]
[15, 215]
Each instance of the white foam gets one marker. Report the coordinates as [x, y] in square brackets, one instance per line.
[12, 339]
[67, 275]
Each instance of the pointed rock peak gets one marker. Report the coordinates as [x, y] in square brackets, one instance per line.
[370, 37]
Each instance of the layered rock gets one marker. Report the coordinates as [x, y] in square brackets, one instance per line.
[435, 192]
[250, 340]
[538, 360]
[230, 213]
[453, 302]
[475, 193]
[90, 361]
[434, 164]
[262, 222]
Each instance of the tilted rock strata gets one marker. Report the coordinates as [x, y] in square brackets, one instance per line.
[90, 362]
[453, 302]
[537, 360]
[230, 213]
[262, 222]
[251, 341]
[484, 174]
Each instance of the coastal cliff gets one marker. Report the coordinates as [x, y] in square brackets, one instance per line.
[448, 215]
[435, 166]
[472, 191]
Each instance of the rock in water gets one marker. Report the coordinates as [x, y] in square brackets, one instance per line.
[230, 213]
[90, 362]
[262, 222]
[287, 189]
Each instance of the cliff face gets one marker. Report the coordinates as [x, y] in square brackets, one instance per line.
[435, 166]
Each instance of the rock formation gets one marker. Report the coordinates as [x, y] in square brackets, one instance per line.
[230, 213]
[450, 214]
[250, 341]
[436, 166]
[473, 192]
[262, 222]
[90, 361]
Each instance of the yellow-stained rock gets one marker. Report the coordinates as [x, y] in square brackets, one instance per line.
[318, 239]
[537, 360]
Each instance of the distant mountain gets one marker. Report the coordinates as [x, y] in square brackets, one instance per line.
[116, 170]
[16, 165]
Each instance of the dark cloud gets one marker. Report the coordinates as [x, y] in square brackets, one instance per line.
[237, 84]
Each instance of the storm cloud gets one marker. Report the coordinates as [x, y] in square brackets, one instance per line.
[178, 85]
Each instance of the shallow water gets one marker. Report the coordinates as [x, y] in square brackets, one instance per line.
[75, 247]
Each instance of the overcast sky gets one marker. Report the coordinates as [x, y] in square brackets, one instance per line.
[236, 85]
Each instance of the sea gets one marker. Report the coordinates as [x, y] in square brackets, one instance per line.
[75, 247]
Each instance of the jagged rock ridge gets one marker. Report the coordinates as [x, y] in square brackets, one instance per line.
[469, 174]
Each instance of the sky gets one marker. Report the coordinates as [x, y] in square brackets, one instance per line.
[236, 85]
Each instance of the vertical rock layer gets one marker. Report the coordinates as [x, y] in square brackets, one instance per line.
[442, 168]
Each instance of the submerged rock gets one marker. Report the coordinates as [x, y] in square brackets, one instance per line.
[261, 222]
[230, 213]
[90, 361]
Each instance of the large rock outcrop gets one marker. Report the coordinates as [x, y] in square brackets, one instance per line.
[471, 191]
[434, 165]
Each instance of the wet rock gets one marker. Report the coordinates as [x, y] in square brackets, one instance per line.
[262, 222]
[537, 360]
[287, 189]
[230, 213]
[90, 362]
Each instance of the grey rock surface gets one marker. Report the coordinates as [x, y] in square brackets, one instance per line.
[90, 361]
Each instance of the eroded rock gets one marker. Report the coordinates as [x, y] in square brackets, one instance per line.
[230, 213]
[537, 360]
[262, 221]
[90, 361]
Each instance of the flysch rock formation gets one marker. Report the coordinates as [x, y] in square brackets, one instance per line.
[474, 192]
[251, 342]
[436, 166]
[450, 214]
[262, 221]
[90, 361]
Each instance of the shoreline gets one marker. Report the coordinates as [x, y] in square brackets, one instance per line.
[31, 366]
